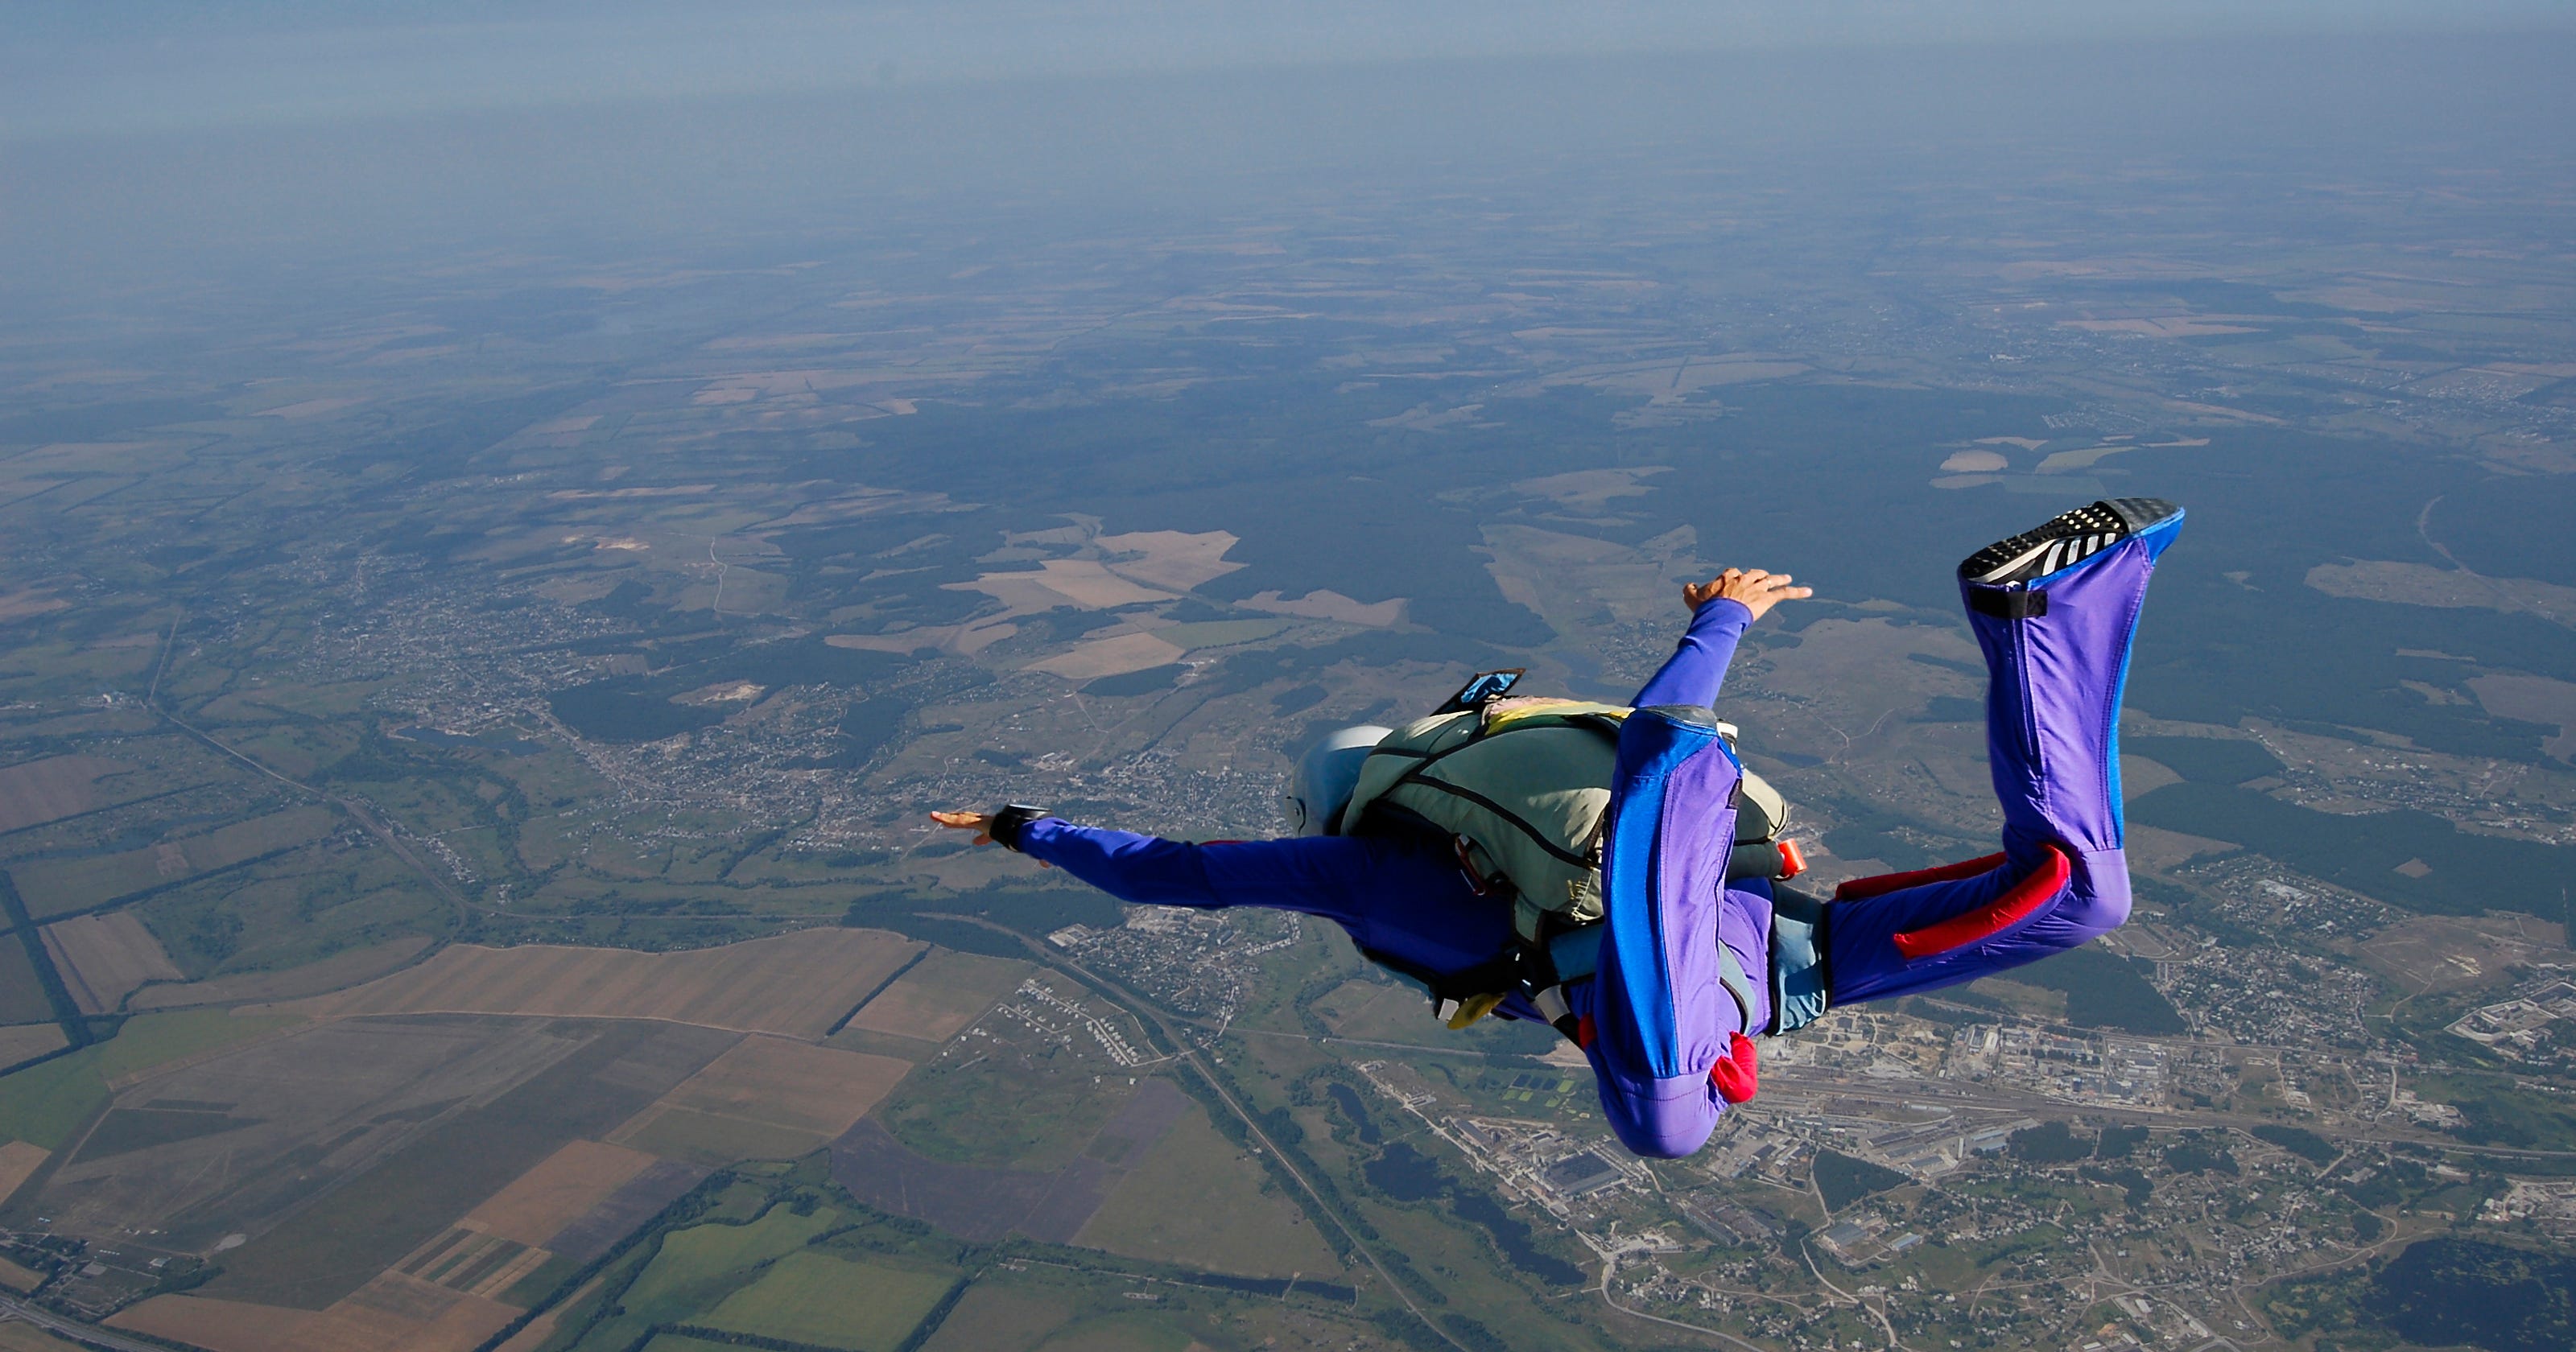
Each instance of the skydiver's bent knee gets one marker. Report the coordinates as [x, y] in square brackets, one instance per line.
[1660, 1119]
[2097, 896]
[1960, 924]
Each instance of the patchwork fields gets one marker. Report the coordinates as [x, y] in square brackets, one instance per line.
[416, 1161]
[798, 985]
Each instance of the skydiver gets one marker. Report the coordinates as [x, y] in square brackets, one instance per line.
[1665, 1009]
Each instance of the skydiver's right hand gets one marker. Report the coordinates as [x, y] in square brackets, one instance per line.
[967, 821]
[981, 823]
[1752, 588]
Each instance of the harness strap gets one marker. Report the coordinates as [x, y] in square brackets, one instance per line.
[1589, 854]
[1542, 970]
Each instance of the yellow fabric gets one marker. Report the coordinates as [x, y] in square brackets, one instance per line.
[1472, 1008]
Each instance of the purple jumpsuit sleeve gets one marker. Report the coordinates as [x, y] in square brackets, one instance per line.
[1696, 671]
[1403, 896]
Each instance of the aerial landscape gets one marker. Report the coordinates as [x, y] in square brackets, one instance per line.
[474, 674]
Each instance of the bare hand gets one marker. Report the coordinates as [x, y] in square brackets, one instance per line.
[978, 822]
[1752, 588]
[967, 821]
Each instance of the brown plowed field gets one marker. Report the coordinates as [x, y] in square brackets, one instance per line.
[28, 1040]
[391, 1314]
[217, 1325]
[795, 985]
[104, 958]
[790, 1084]
[18, 1161]
[560, 1190]
[944, 993]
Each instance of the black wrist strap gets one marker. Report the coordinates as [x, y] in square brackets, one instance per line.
[2008, 605]
[1005, 825]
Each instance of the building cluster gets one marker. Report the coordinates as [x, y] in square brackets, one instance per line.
[2536, 1026]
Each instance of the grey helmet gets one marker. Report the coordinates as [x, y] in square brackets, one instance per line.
[1325, 776]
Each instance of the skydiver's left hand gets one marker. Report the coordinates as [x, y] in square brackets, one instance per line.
[1754, 589]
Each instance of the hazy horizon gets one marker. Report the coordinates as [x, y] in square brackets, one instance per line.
[624, 164]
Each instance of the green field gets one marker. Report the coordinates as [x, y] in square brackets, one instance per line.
[1119, 1333]
[1197, 1201]
[993, 1317]
[832, 1302]
[149, 1040]
[1037, 1113]
[697, 1267]
[47, 1103]
[55, 887]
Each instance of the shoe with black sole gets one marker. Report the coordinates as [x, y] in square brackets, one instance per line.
[2063, 541]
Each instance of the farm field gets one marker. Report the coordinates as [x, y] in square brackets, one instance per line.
[996, 1317]
[987, 1199]
[940, 995]
[27, 1041]
[697, 1266]
[22, 995]
[349, 967]
[641, 1198]
[19, 1161]
[1196, 1199]
[712, 1140]
[19, 1279]
[1118, 1333]
[17, 1337]
[471, 1261]
[49, 1102]
[542, 1087]
[790, 1084]
[390, 1315]
[810, 1297]
[55, 887]
[795, 985]
[35, 792]
[767, 1098]
[104, 958]
[561, 1189]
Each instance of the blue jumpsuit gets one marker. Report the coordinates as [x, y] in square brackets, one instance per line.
[2053, 711]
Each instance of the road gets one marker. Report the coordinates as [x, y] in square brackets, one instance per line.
[1610, 1266]
[89, 1335]
[358, 812]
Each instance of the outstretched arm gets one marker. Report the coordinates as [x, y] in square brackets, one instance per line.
[1400, 896]
[1721, 609]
